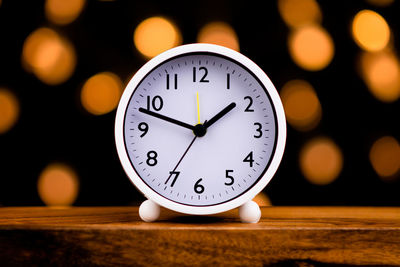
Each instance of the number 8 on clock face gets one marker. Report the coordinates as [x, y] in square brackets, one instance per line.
[200, 129]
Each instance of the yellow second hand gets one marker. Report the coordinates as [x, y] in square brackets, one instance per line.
[198, 108]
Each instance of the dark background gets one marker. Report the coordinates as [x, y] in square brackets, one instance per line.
[54, 127]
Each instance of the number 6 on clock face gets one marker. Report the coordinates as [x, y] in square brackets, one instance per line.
[200, 129]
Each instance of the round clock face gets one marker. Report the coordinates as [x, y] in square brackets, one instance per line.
[200, 128]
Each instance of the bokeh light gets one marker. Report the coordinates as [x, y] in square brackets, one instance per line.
[219, 33]
[49, 56]
[101, 93]
[370, 30]
[155, 35]
[302, 107]
[381, 73]
[321, 161]
[297, 13]
[385, 157]
[9, 110]
[63, 11]
[58, 185]
[380, 3]
[262, 200]
[311, 47]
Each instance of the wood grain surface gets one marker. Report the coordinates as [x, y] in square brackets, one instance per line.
[115, 236]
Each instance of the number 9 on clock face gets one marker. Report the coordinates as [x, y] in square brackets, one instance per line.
[200, 129]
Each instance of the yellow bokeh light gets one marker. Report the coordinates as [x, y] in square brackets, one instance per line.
[385, 157]
[155, 35]
[370, 30]
[311, 47]
[63, 11]
[381, 73]
[262, 200]
[49, 56]
[321, 161]
[9, 110]
[219, 33]
[302, 107]
[298, 13]
[100, 93]
[58, 185]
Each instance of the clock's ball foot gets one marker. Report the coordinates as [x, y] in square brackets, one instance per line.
[149, 211]
[250, 212]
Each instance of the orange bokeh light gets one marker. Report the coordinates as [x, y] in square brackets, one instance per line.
[380, 3]
[385, 157]
[219, 33]
[321, 161]
[100, 93]
[262, 200]
[58, 185]
[63, 11]
[297, 13]
[155, 35]
[370, 30]
[311, 47]
[9, 110]
[302, 107]
[49, 56]
[381, 73]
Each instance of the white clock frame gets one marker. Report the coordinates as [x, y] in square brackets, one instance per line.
[248, 213]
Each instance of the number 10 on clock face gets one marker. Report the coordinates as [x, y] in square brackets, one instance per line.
[200, 129]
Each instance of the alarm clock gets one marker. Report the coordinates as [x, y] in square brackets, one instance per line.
[200, 129]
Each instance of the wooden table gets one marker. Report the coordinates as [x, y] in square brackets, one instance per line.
[105, 236]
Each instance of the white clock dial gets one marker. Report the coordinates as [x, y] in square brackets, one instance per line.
[186, 166]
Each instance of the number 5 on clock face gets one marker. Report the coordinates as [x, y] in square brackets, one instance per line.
[200, 130]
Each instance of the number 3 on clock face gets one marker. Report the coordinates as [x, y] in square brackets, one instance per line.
[200, 129]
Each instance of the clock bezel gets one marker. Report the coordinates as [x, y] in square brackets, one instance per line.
[280, 136]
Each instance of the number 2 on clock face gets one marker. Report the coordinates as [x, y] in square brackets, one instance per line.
[200, 129]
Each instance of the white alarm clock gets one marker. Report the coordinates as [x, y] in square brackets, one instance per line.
[200, 129]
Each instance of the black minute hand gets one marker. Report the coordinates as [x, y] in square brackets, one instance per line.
[220, 115]
[171, 120]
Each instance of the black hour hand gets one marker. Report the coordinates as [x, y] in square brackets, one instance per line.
[220, 114]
